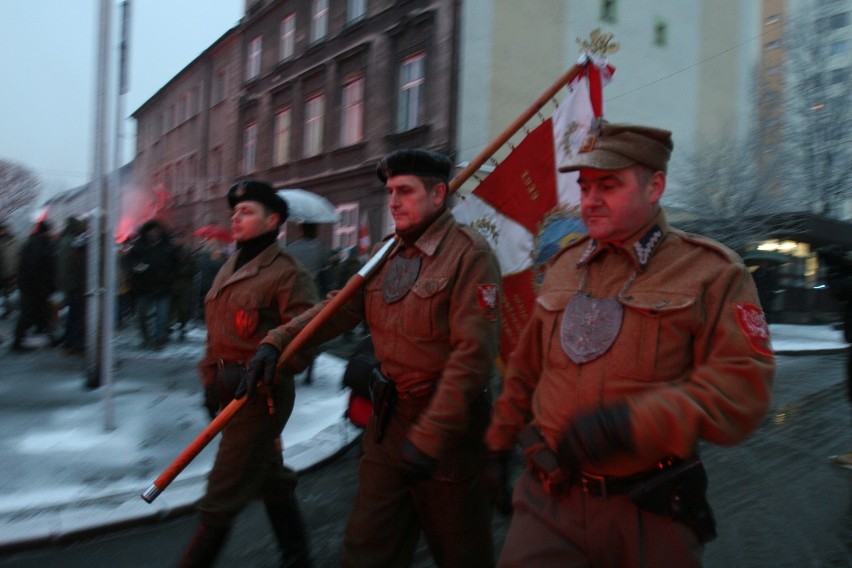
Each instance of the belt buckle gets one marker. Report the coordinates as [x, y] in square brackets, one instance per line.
[597, 481]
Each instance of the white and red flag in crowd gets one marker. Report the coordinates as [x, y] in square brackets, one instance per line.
[525, 208]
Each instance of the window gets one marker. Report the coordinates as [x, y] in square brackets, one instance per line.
[192, 172]
[608, 10]
[411, 78]
[181, 109]
[288, 38]
[219, 87]
[216, 164]
[249, 148]
[773, 19]
[839, 47]
[253, 63]
[346, 231]
[352, 120]
[839, 76]
[314, 115]
[195, 100]
[281, 142]
[774, 44]
[661, 33]
[355, 10]
[319, 19]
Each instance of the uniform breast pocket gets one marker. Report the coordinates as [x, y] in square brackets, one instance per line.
[552, 304]
[424, 314]
[655, 342]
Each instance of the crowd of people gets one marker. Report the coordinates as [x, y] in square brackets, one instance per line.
[162, 278]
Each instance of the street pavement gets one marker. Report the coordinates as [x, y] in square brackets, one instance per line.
[75, 460]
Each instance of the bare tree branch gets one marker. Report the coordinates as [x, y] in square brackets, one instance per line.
[18, 188]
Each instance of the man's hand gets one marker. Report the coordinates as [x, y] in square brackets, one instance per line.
[211, 401]
[416, 465]
[596, 435]
[497, 481]
[261, 368]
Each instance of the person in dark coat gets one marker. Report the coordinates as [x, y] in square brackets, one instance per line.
[36, 282]
[152, 262]
[71, 282]
[838, 276]
[183, 284]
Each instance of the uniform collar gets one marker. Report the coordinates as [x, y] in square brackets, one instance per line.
[640, 246]
[429, 241]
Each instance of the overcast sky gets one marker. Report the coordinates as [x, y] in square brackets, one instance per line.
[48, 74]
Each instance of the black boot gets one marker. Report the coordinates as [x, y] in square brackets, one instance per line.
[290, 531]
[204, 546]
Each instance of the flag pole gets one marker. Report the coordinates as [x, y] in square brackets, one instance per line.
[516, 125]
[354, 283]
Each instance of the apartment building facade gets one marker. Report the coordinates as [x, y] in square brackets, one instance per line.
[306, 94]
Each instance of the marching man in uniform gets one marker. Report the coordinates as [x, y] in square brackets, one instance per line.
[643, 340]
[257, 289]
[433, 313]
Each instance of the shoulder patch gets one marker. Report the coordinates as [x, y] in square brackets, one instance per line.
[752, 322]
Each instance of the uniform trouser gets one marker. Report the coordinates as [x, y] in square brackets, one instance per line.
[248, 464]
[578, 530]
[451, 509]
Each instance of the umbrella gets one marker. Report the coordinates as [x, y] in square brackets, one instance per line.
[213, 232]
[307, 207]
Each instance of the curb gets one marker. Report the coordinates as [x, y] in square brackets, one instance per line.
[61, 538]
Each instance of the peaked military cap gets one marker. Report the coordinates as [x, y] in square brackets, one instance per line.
[415, 162]
[260, 191]
[619, 146]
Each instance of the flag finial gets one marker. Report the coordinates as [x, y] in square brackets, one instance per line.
[599, 43]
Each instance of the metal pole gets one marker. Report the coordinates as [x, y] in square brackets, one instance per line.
[94, 289]
[112, 199]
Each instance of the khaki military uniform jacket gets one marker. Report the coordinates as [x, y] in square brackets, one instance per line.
[444, 330]
[241, 307]
[692, 359]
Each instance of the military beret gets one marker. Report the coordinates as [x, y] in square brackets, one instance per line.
[260, 191]
[415, 162]
[619, 146]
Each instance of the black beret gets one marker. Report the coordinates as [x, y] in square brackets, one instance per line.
[415, 162]
[260, 191]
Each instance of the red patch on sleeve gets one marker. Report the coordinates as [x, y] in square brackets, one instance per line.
[489, 298]
[752, 322]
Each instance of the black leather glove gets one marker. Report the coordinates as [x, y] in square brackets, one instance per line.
[261, 368]
[416, 465]
[596, 435]
[497, 481]
[211, 401]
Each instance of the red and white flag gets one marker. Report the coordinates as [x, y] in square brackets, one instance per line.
[525, 208]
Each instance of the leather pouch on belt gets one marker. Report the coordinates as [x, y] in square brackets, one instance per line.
[679, 492]
[228, 377]
[383, 393]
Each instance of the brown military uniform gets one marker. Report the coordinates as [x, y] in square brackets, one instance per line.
[692, 360]
[240, 308]
[436, 345]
